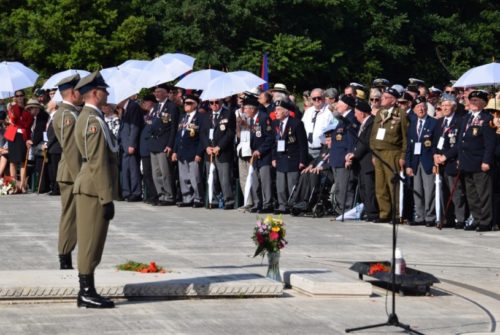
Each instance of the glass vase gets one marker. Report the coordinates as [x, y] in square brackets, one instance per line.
[273, 270]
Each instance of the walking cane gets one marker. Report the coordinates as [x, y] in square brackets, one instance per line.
[448, 203]
[23, 176]
[345, 194]
[45, 159]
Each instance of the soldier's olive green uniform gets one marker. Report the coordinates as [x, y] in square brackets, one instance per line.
[64, 125]
[391, 148]
[95, 185]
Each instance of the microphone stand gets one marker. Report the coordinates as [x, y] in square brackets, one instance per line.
[393, 319]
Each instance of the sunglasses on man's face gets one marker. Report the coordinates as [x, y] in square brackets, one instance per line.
[189, 103]
[214, 103]
[450, 92]
[374, 99]
[316, 98]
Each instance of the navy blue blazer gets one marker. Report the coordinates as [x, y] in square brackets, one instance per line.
[53, 146]
[426, 157]
[343, 140]
[131, 125]
[362, 152]
[145, 135]
[164, 127]
[449, 143]
[476, 143]
[187, 141]
[262, 139]
[224, 129]
[295, 139]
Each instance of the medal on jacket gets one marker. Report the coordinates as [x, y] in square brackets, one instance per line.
[474, 131]
[165, 117]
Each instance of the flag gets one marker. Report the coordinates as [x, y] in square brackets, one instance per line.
[264, 72]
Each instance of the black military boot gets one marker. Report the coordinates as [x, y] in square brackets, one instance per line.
[88, 297]
[65, 262]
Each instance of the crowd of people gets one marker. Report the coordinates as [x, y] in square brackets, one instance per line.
[348, 145]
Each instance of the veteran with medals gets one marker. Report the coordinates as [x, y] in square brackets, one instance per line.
[96, 186]
[188, 152]
[64, 121]
[388, 140]
[420, 162]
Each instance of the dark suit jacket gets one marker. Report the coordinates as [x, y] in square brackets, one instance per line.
[476, 143]
[40, 127]
[224, 128]
[426, 140]
[343, 140]
[131, 124]
[362, 152]
[53, 146]
[188, 145]
[449, 143]
[295, 152]
[164, 127]
[262, 139]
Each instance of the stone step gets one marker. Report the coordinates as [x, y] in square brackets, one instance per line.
[324, 282]
[180, 283]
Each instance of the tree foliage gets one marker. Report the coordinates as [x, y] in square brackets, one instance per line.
[309, 42]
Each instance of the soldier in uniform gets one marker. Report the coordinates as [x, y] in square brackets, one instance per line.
[96, 186]
[476, 151]
[343, 140]
[218, 140]
[446, 156]
[290, 152]
[261, 144]
[63, 123]
[188, 152]
[388, 140]
[420, 162]
[163, 131]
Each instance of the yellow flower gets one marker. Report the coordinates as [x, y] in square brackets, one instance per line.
[276, 229]
[268, 219]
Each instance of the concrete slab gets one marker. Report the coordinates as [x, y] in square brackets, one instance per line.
[181, 283]
[323, 282]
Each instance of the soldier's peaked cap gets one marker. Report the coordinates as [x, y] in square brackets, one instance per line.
[90, 82]
[68, 82]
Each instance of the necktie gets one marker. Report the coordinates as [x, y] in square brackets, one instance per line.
[445, 125]
[419, 128]
[314, 119]
[281, 129]
[251, 122]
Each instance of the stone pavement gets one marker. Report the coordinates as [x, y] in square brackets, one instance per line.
[201, 241]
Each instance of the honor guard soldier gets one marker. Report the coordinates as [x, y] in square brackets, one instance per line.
[64, 122]
[476, 157]
[343, 140]
[163, 131]
[446, 157]
[218, 140]
[261, 144]
[290, 153]
[388, 140]
[96, 186]
[420, 162]
[188, 152]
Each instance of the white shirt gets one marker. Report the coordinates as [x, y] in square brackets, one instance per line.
[323, 119]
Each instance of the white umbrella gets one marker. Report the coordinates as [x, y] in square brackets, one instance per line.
[16, 76]
[210, 181]
[248, 184]
[122, 82]
[231, 83]
[54, 79]
[165, 68]
[134, 64]
[438, 197]
[199, 80]
[484, 75]
[401, 195]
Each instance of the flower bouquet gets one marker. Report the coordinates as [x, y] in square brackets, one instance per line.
[141, 267]
[378, 267]
[269, 235]
[7, 185]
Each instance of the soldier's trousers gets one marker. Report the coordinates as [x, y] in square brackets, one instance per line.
[285, 182]
[383, 184]
[91, 231]
[162, 176]
[458, 197]
[261, 187]
[479, 193]
[424, 195]
[67, 222]
[131, 176]
[344, 188]
[190, 181]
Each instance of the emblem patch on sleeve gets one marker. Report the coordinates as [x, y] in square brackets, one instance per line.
[92, 130]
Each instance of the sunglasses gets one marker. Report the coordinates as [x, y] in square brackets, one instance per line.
[214, 103]
[374, 99]
[19, 95]
[188, 103]
[438, 109]
[316, 98]
[450, 92]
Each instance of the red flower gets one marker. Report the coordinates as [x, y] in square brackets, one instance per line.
[273, 236]
[260, 239]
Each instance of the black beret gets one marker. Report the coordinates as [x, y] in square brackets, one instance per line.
[285, 104]
[149, 97]
[419, 100]
[483, 95]
[192, 97]
[406, 97]
[348, 100]
[392, 91]
[363, 106]
[412, 88]
[251, 101]
[165, 86]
